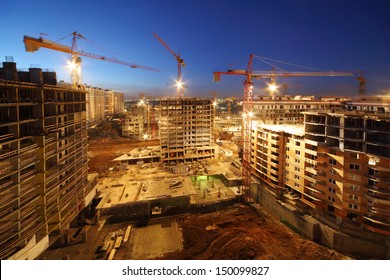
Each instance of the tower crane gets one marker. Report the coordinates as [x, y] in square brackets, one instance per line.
[249, 75]
[33, 44]
[362, 84]
[180, 62]
[230, 100]
[214, 94]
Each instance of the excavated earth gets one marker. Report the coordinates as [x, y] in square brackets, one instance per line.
[240, 233]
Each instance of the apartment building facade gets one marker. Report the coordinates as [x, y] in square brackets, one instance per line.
[114, 103]
[353, 153]
[119, 103]
[186, 130]
[95, 105]
[338, 165]
[43, 161]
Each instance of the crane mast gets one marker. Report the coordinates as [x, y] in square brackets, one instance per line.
[34, 44]
[180, 62]
[249, 75]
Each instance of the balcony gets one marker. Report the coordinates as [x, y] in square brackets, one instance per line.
[311, 152]
[311, 170]
[29, 147]
[372, 200]
[310, 179]
[4, 184]
[27, 161]
[5, 170]
[311, 161]
[26, 174]
[7, 153]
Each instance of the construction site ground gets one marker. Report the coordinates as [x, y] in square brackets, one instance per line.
[239, 232]
[236, 232]
[101, 152]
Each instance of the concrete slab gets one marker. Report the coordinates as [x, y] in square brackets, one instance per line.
[158, 238]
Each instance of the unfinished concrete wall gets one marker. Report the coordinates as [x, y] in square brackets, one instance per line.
[358, 244]
[304, 225]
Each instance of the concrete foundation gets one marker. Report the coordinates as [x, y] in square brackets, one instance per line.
[357, 244]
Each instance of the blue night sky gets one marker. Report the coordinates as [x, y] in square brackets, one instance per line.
[210, 36]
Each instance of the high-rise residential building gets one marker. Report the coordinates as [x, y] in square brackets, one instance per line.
[352, 151]
[338, 164]
[95, 105]
[186, 130]
[119, 103]
[108, 102]
[43, 161]
[114, 102]
[278, 156]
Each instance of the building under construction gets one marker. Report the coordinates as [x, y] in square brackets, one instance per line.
[44, 182]
[335, 166]
[287, 109]
[186, 130]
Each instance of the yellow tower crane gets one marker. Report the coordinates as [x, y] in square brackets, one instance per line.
[33, 44]
[180, 63]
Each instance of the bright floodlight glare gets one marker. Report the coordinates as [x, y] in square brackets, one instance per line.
[272, 87]
[250, 114]
[179, 84]
[145, 136]
[71, 64]
[215, 103]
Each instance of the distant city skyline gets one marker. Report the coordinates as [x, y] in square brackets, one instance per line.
[210, 36]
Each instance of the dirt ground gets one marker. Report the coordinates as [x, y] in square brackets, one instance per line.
[240, 233]
[101, 152]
